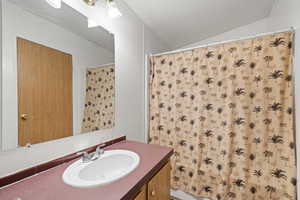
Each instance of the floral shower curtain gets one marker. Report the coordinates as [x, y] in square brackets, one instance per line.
[99, 109]
[227, 110]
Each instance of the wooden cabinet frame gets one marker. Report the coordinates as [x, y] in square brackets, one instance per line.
[158, 188]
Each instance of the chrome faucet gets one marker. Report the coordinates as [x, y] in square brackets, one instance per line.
[100, 150]
[86, 157]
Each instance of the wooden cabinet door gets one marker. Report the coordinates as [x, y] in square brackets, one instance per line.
[142, 195]
[159, 186]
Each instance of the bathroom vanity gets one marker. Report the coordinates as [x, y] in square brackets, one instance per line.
[158, 187]
[149, 181]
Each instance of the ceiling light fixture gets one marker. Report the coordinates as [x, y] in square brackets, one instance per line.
[112, 9]
[90, 2]
[54, 3]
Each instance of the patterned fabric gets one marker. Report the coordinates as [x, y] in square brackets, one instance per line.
[100, 99]
[227, 110]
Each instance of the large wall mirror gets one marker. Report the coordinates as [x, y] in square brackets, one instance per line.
[58, 74]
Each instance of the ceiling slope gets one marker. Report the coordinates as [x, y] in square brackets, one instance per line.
[182, 22]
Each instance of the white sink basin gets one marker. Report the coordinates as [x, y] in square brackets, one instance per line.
[111, 166]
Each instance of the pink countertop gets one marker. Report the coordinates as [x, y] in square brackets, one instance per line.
[49, 185]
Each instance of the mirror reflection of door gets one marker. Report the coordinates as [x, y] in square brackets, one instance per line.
[46, 54]
[44, 93]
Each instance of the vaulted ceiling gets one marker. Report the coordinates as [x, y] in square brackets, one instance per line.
[182, 22]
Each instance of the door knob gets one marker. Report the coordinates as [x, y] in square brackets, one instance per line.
[153, 193]
[24, 116]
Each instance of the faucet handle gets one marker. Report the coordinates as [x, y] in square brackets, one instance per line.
[85, 156]
[99, 149]
[83, 153]
[101, 146]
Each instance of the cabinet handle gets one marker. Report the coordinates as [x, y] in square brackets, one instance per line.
[153, 193]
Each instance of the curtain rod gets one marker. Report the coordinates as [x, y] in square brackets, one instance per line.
[104, 65]
[107, 64]
[291, 29]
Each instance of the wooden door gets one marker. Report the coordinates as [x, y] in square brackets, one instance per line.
[159, 186]
[142, 195]
[44, 93]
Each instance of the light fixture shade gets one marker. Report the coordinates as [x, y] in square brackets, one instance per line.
[90, 2]
[54, 3]
[112, 10]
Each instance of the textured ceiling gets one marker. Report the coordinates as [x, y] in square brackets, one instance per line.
[182, 22]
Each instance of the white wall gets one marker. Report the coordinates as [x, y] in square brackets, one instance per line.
[84, 53]
[152, 45]
[130, 52]
[285, 13]
[0, 73]
[132, 40]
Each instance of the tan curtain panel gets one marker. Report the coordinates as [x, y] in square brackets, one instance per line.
[100, 99]
[228, 112]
